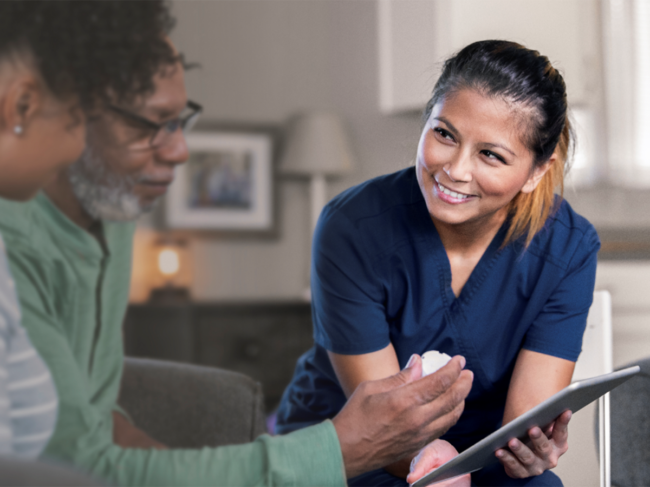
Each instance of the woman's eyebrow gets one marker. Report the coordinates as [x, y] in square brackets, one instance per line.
[448, 124]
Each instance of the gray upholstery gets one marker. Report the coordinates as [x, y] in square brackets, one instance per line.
[15, 472]
[630, 429]
[183, 406]
[189, 406]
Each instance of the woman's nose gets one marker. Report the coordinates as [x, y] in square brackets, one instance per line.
[459, 170]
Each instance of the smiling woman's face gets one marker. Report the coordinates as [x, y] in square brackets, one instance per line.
[472, 161]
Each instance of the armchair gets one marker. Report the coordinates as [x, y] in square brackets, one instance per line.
[191, 406]
[630, 429]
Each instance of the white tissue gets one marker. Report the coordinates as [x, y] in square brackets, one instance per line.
[432, 361]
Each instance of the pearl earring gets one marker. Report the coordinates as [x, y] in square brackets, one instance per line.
[18, 130]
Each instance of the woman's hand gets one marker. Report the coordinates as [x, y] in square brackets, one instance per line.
[542, 451]
[432, 456]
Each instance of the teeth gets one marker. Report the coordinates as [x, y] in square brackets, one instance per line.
[451, 193]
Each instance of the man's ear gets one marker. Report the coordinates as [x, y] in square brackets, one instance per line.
[538, 174]
[22, 101]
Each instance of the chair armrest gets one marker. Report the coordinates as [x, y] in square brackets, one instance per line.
[190, 406]
[630, 428]
[17, 472]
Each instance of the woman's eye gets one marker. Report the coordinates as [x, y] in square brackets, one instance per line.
[443, 133]
[493, 156]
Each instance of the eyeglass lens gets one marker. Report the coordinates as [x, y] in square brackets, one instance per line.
[185, 122]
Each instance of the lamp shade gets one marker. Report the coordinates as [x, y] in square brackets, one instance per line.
[316, 145]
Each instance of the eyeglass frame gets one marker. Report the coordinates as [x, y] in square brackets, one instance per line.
[196, 108]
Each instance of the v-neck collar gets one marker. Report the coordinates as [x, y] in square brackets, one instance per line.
[479, 273]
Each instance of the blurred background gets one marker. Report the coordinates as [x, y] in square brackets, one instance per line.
[288, 84]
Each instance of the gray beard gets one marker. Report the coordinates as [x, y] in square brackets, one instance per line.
[103, 194]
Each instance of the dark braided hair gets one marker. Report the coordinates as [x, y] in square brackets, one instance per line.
[99, 51]
[524, 78]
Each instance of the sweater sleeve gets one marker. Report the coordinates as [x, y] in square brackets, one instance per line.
[6, 439]
[83, 435]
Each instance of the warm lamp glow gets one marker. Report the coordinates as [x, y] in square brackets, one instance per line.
[168, 262]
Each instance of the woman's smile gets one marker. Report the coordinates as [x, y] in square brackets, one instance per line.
[449, 196]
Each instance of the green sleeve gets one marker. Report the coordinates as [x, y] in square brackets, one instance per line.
[83, 435]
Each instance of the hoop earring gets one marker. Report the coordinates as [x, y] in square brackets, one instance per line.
[18, 130]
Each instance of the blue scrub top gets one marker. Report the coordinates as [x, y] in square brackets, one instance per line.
[381, 275]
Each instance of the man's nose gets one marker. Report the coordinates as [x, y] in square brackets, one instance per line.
[175, 151]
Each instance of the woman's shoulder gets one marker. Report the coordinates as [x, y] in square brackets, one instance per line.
[377, 214]
[566, 237]
[566, 217]
[376, 196]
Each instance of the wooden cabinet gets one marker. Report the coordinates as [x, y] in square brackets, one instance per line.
[261, 340]
[416, 36]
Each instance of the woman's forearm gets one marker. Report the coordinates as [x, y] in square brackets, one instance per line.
[352, 370]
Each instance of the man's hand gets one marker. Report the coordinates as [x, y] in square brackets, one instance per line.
[432, 456]
[542, 452]
[126, 435]
[388, 419]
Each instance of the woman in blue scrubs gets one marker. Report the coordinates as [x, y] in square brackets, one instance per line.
[470, 253]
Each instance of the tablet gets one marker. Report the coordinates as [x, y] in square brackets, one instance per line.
[574, 397]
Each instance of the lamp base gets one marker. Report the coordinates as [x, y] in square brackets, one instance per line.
[318, 192]
[170, 295]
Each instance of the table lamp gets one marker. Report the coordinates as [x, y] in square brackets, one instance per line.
[170, 258]
[317, 148]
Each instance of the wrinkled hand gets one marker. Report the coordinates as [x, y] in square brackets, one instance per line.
[431, 457]
[542, 451]
[388, 419]
[127, 435]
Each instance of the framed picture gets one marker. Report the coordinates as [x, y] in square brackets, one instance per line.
[225, 185]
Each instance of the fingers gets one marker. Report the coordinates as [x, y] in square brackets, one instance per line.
[520, 461]
[432, 456]
[541, 446]
[430, 387]
[541, 454]
[430, 421]
[511, 464]
[427, 389]
[560, 435]
[417, 469]
[561, 428]
[548, 431]
[412, 372]
[424, 462]
[446, 401]
[442, 413]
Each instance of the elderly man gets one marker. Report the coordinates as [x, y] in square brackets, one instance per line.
[70, 251]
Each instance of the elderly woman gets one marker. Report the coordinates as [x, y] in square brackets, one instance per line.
[58, 62]
[470, 252]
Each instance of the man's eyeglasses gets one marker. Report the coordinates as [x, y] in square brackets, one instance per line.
[159, 133]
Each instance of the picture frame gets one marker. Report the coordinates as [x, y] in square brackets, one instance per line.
[226, 184]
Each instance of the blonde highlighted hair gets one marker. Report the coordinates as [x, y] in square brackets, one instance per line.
[529, 211]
